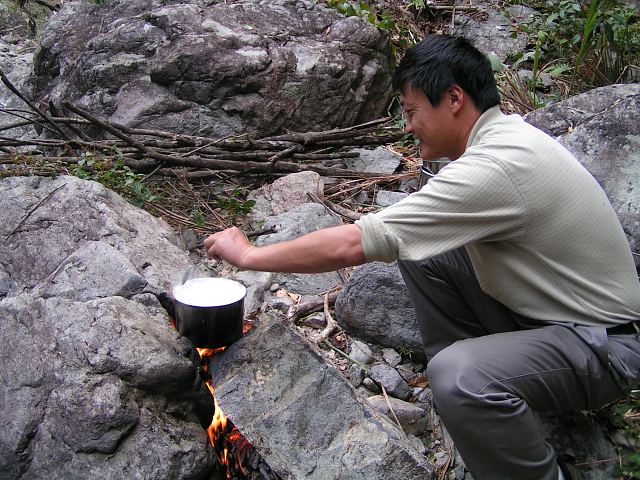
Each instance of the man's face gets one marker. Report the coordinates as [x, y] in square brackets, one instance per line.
[431, 126]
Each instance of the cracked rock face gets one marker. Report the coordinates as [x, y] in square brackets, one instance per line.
[95, 381]
[215, 68]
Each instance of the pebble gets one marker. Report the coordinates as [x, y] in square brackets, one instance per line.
[392, 357]
[371, 385]
[316, 320]
[274, 288]
[355, 375]
[360, 352]
[391, 380]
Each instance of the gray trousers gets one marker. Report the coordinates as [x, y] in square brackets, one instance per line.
[490, 367]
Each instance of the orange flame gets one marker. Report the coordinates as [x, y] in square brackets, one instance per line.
[218, 426]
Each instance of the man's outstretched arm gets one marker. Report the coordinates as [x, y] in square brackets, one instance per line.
[320, 251]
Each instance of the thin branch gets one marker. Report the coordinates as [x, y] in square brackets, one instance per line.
[11, 87]
[312, 305]
[332, 325]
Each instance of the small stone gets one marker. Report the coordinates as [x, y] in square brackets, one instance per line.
[371, 385]
[412, 418]
[356, 375]
[418, 367]
[274, 287]
[360, 352]
[425, 396]
[392, 357]
[282, 304]
[316, 320]
[391, 380]
[386, 198]
[442, 459]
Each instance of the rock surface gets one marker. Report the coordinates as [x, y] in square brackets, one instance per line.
[92, 372]
[374, 305]
[215, 68]
[303, 417]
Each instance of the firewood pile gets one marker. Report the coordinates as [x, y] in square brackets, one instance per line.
[179, 165]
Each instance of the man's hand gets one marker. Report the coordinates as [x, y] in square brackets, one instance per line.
[230, 245]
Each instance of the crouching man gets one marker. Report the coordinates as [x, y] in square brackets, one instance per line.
[519, 271]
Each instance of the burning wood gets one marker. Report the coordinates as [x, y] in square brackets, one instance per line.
[226, 440]
[235, 454]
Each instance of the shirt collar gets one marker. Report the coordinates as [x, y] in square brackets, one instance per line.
[485, 119]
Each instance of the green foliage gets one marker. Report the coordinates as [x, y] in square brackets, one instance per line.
[198, 217]
[405, 351]
[113, 174]
[604, 31]
[625, 415]
[362, 9]
[235, 204]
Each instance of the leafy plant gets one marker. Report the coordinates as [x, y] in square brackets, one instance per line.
[198, 217]
[112, 173]
[363, 10]
[601, 40]
[235, 204]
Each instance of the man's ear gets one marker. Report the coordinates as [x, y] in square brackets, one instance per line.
[456, 98]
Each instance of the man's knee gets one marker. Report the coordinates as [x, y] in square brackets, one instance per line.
[453, 377]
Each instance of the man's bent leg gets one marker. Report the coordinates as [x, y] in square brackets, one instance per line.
[449, 303]
[487, 387]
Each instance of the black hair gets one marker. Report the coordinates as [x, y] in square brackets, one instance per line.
[441, 61]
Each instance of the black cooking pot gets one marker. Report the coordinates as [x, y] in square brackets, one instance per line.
[209, 311]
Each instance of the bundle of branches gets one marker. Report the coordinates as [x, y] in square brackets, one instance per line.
[148, 165]
[162, 151]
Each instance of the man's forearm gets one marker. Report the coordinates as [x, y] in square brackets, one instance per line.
[320, 251]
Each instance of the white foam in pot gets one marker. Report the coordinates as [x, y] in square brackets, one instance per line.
[209, 292]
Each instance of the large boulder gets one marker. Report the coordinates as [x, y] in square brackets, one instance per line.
[96, 383]
[214, 68]
[374, 305]
[300, 413]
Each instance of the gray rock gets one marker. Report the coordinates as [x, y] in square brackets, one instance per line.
[374, 305]
[413, 419]
[370, 385]
[392, 357]
[257, 283]
[385, 198]
[98, 387]
[316, 320]
[17, 44]
[302, 416]
[391, 380]
[95, 270]
[77, 214]
[360, 352]
[215, 69]
[583, 438]
[100, 382]
[379, 160]
[355, 375]
[495, 33]
[284, 194]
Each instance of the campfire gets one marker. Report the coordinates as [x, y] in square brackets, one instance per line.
[231, 448]
[236, 456]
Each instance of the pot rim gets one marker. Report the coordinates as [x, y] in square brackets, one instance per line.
[208, 293]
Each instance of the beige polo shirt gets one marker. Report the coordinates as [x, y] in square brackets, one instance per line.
[541, 234]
